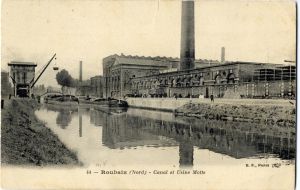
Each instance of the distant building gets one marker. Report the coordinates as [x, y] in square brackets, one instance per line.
[22, 74]
[5, 84]
[97, 86]
[90, 87]
[84, 88]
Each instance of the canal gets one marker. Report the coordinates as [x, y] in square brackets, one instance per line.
[144, 137]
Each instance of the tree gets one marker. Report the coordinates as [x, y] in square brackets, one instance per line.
[64, 79]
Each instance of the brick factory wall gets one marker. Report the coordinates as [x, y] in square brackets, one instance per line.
[245, 90]
[274, 89]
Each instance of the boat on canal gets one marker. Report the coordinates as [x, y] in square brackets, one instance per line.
[64, 100]
[71, 100]
[104, 102]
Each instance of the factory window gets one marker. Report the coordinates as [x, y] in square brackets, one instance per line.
[201, 81]
[230, 78]
[24, 77]
[217, 79]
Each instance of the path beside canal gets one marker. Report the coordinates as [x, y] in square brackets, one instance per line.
[27, 141]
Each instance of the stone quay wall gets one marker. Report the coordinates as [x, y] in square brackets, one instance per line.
[166, 104]
[269, 111]
[170, 104]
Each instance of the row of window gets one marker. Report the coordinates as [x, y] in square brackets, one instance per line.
[178, 83]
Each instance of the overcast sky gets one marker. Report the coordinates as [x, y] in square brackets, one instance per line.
[89, 30]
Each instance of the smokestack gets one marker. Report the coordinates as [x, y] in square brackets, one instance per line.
[80, 71]
[223, 55]
[187, 50]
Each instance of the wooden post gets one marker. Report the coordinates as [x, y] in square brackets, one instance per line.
[2, 103]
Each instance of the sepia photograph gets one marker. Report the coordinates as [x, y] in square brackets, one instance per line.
[148, 94]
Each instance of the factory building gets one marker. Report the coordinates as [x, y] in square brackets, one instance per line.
[158, 76]
[188, 77]
[119, 71]
[229, 80]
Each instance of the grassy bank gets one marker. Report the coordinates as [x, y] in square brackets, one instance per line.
[27, 141]
[271, 114]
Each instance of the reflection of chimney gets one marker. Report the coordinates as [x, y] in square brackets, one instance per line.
[187, 49]
[223, 55]
[80, 125]
[80, 71]
[186, 153]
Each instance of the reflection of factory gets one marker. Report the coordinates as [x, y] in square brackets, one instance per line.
[238, 140]
[161, 76]
[159, 129]
[98, 118]
[119, 132]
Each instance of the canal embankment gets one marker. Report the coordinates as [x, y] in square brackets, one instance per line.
[269, 114]
[162, 104]
[25, 140]
[267, 111]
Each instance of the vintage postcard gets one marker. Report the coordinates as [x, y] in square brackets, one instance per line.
[148, 94]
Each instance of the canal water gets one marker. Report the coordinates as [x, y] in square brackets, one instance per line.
[143, 137]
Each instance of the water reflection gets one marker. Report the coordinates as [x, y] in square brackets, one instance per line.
[143, 128]
[80, 124]
[186, 153]
[239, 140]
[63, 118]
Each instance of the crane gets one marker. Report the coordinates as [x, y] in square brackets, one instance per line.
[43, 70]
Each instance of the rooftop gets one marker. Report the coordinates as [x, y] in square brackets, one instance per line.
[97, 76]
[139, 61]
[20, 63]
[157, 58]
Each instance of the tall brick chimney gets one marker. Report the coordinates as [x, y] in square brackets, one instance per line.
[223, 55]
[80, 71]
[187, 53]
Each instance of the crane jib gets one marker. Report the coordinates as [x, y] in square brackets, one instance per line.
[43, 70]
